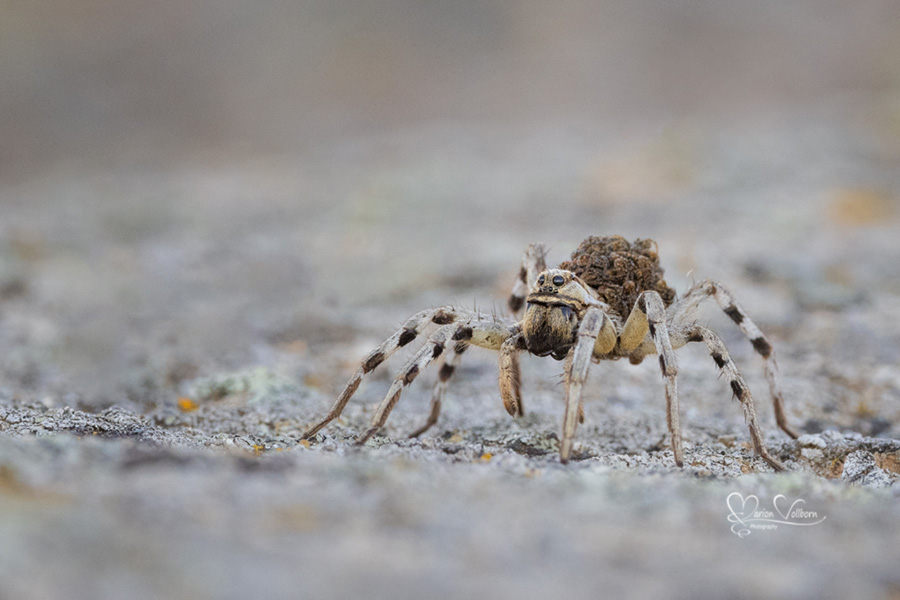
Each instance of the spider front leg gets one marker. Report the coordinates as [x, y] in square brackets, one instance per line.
[510, 379]
[649, 315]
[577, 363]
[533, 263]
[406, 334]
[605, 343]
[451, 362]
[708, 288]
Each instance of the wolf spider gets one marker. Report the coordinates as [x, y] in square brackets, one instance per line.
[608, 302]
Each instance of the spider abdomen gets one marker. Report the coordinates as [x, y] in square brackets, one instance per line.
[619, 270]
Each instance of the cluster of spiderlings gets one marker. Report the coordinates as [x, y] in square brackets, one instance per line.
[619, 270]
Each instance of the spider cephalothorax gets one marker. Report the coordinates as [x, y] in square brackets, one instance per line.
[609, 301]
[552, 311]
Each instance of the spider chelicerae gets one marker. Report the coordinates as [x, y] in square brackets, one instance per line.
[609, 301]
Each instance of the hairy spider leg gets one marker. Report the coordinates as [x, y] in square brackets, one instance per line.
[510, 379]
[649, 316]
[576, 373]
[719, 353]
[533, 263]
[403, 336]
[709, 288]
[487, 334]
[452, 358]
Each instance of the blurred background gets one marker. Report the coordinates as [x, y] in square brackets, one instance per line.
[211, 210]
[192, 184]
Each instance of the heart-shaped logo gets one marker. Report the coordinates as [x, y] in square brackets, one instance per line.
[745, 514]
[784, 514]
[741, 508]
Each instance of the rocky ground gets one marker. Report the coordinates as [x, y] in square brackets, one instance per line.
[168, 328]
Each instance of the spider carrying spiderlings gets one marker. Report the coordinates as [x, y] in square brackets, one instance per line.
[609, 301]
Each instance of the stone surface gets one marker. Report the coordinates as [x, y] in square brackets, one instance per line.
[186, 286]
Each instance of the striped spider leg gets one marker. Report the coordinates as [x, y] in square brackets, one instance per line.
[607, 303]
[666, 333]
[700, 291]
[458, 327]
[533, 263]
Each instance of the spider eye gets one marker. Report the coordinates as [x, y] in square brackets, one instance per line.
[558, 280]
[541, 280]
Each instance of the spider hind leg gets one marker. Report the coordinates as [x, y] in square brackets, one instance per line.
[708, 288]
[721, 357]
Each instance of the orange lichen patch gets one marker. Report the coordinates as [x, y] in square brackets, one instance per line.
[861, 206]
[10, 483]
[834, 469]
[258, 449]
[28, 246]
[486, 457]
[295, 518]
[314, 380]
[864, 410]
[304, 443]
[185, 404]
[888, 461]
[727, 440]
[651, 173]
[841, 274]
[294, 346]
[12, 487]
